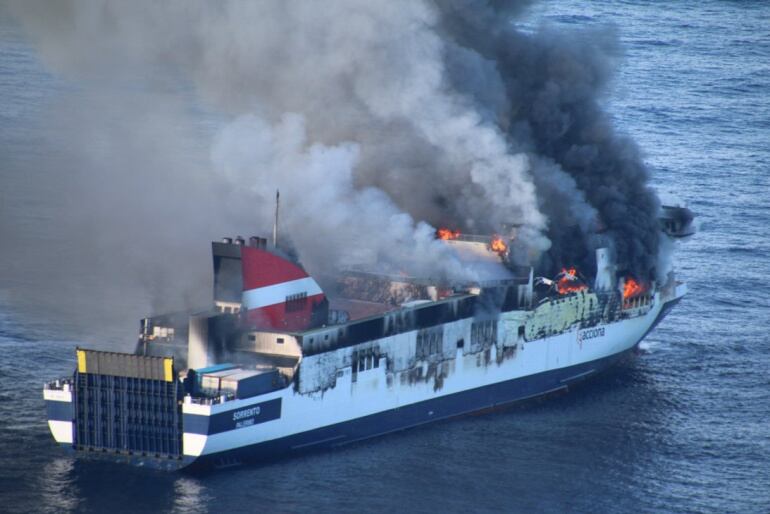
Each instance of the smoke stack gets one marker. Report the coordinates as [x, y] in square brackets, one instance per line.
[605, 270]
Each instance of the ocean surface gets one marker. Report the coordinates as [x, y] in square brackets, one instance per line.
[682, 427]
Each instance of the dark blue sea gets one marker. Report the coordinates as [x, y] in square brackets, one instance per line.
[682, 427]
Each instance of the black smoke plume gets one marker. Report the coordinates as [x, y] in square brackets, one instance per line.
[592, 183]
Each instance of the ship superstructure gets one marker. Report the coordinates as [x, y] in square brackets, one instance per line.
[278, 366]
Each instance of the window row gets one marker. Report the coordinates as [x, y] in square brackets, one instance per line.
[429, 342]
[483, 333]
[363, 360]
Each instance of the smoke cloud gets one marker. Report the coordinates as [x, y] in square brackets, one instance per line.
[376, 120]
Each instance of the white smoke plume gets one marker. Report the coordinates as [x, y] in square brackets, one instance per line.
[330, 219]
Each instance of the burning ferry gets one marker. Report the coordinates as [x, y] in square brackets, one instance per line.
[279, 366]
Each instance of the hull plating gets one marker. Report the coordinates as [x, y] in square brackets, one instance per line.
[490, 397]
[378, 400]
[264, 441]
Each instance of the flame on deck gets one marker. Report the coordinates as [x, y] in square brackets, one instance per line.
[569, 282]
[447, 234]
[498, 245]
[632, 288]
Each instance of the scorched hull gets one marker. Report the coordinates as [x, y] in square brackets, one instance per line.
[486, 398]
[492, 397]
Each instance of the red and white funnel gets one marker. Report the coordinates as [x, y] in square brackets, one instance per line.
[278, 294]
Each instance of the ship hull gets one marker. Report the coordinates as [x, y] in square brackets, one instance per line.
[483, 399]
[490, 397]
[487, 398]
[216, 436]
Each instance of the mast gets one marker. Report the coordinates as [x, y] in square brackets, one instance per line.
[275, 223]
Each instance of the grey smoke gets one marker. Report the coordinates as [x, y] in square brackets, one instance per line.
[377, 120]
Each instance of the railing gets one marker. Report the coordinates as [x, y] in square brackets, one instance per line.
[209, 400]
[62, 384]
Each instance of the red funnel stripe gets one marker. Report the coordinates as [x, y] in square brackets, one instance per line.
[277, 294]
[262, 268]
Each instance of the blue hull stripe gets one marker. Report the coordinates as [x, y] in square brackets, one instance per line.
[59, 411]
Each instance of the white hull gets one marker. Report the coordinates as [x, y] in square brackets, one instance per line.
[379, 390]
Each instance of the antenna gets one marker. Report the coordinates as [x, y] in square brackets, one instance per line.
[275, 224]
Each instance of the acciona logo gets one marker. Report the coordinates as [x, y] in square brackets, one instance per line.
[590, 333]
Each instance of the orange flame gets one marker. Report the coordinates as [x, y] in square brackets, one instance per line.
[498, 245]
[569, 282]
[632, 288]
[447, 234]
